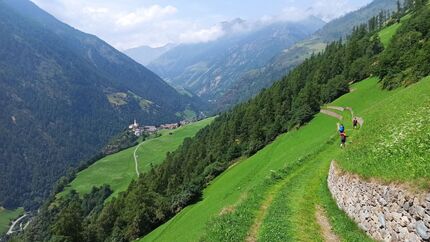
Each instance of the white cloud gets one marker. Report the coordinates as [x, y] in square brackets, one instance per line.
[202, 35]
[131, 23]
[144, 15]
[325, 9]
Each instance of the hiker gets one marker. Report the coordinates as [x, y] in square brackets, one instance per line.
[343, 139]
[355, 122]
[341, 128]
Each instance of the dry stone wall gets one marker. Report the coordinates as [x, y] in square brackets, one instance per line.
[385, 212]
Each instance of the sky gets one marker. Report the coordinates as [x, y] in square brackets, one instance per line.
[131, 23]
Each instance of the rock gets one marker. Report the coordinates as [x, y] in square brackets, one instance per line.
[422, 230]
[403, 232]
[382, 201]
[381, 219]
[394, 237]
[411, 227]
[364, 214]
[426, 220]
[406, 206]
[394, 207]
[412, 238]
[389, 216]
[428, 197]
[396, 216]
[404, 221]
[420, 211]
[363, 227]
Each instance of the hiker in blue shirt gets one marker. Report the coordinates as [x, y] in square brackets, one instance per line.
[341, 128]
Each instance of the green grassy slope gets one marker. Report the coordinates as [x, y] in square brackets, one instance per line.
[291, 215]
[387, 34]
[235, 184]
[118, 169]
[394, 145]
[233, 188]
[6, 217]
[234, 200]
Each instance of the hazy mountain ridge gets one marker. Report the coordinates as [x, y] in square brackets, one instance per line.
[146, 54]
[254, 80]
[208, 69]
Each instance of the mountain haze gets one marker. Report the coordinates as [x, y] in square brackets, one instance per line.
[251, 82]
[146, 54]
[209, 69]
[64, 94]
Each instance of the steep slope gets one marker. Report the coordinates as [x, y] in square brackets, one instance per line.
[63, 94]
[254, 80]
[208, 69]
[145, 54]
[231, 203]
[281, 185]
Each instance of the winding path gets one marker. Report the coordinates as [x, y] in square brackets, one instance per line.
[135, 159]
[308, 175]
[11, 229]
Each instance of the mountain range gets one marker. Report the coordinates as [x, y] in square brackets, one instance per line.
[209, 69]
[237, 66]
[146, 54]
[251, 82]
[64, 94]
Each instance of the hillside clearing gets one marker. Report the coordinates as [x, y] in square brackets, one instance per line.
[119, 169]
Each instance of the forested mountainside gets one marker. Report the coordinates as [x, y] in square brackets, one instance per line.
[251, 82]
[167, 189]
[63, 95]
[209, 69]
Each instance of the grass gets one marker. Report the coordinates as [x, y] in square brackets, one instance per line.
[388, 33]
[394, 148]
[235, 187]
[118, 170]
[286, 178]
[272, 196]
[7, 216]
[291, 215]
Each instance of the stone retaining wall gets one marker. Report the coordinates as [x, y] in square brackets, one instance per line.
[385, 212]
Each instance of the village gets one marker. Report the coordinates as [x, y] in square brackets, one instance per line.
[140, 130]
